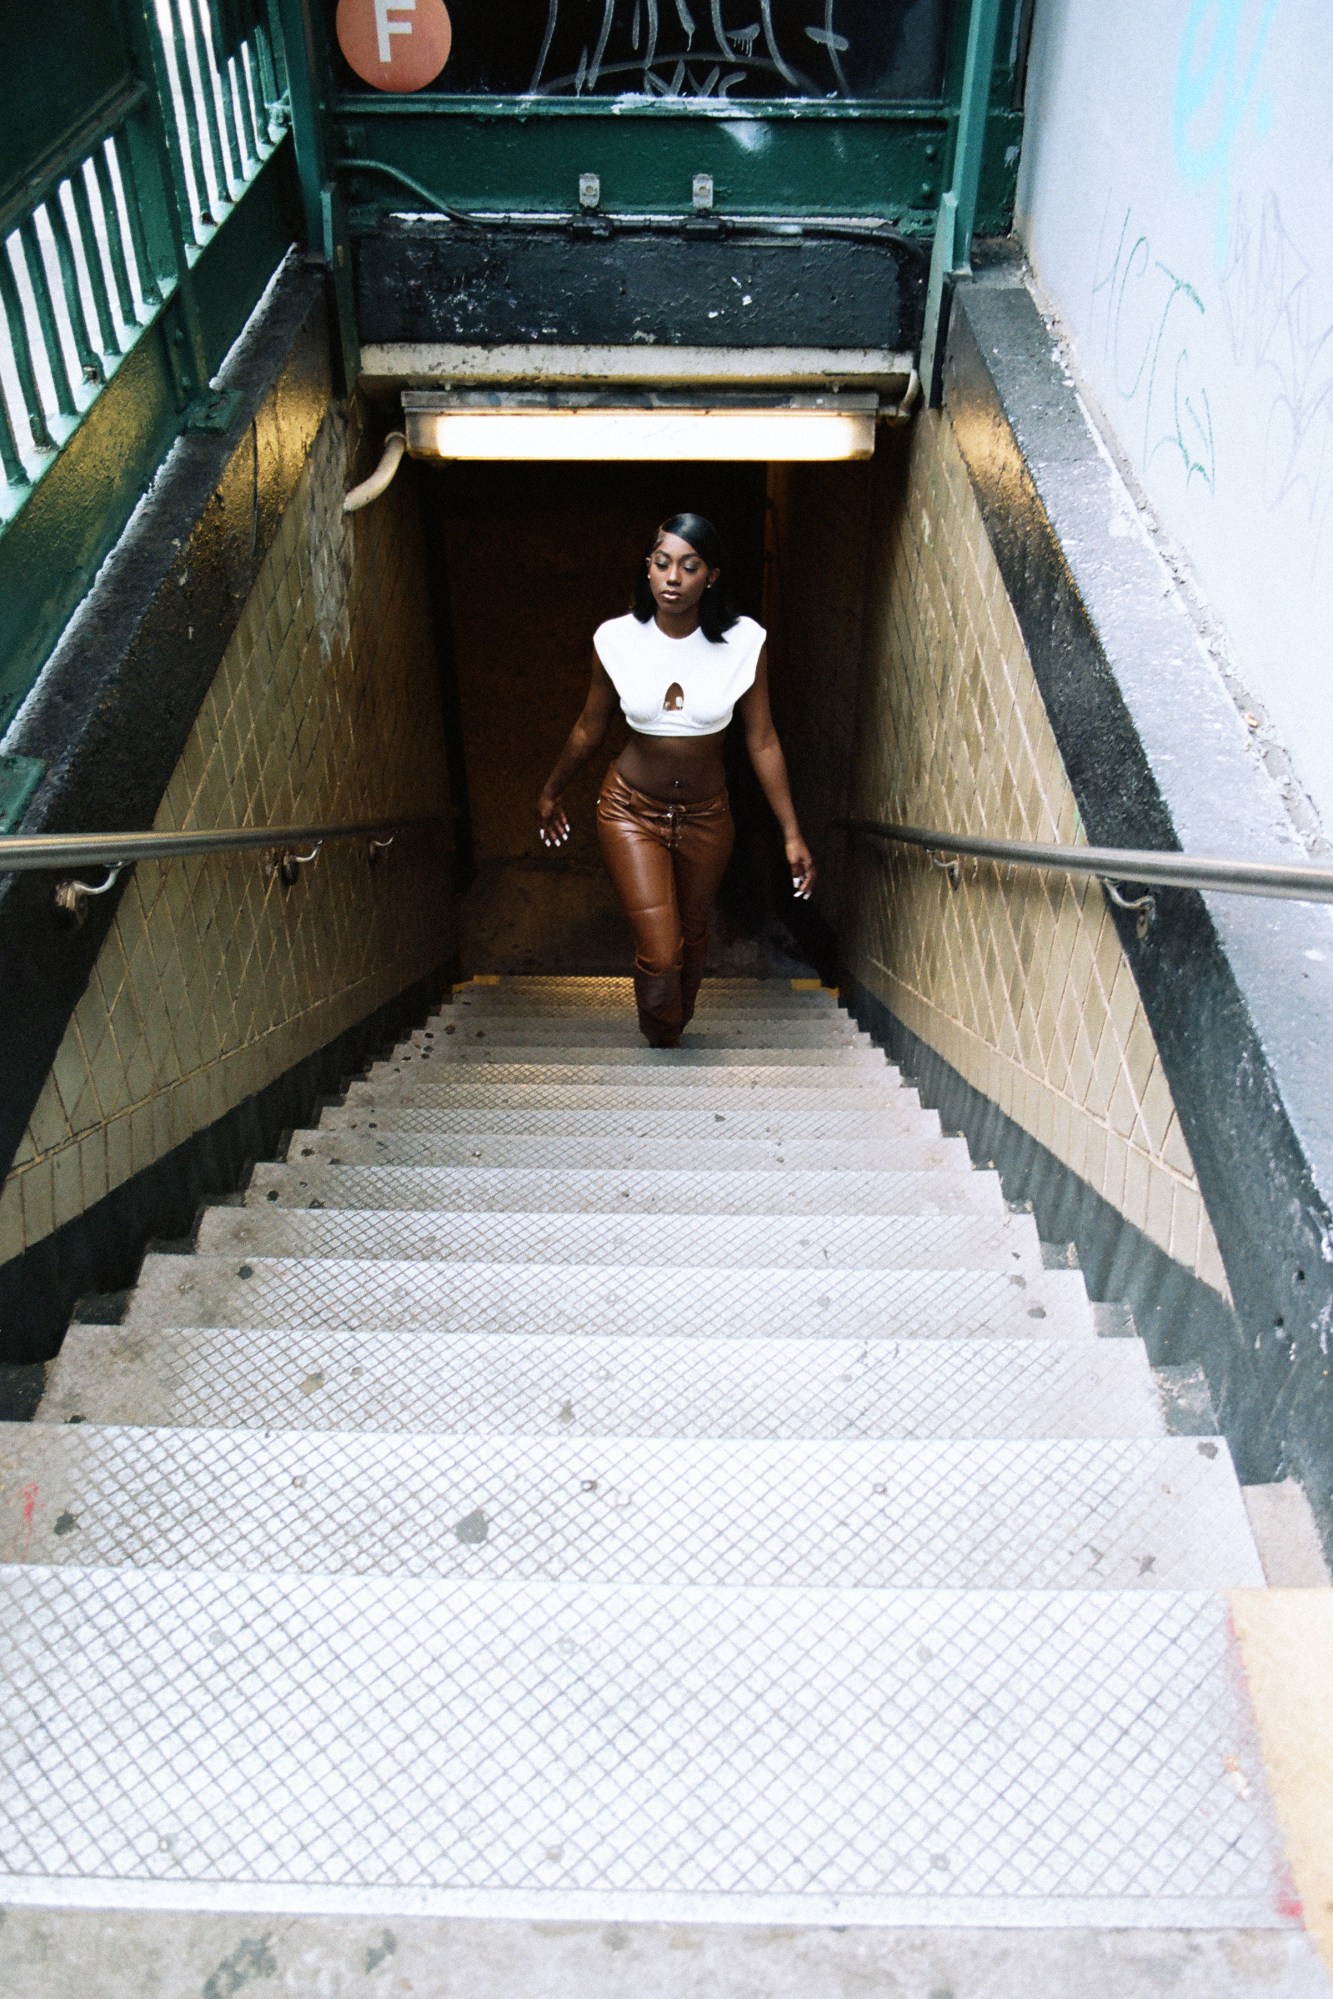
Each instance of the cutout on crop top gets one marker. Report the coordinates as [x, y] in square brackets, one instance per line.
[678, 687]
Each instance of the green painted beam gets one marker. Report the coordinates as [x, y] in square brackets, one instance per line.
[780, 158]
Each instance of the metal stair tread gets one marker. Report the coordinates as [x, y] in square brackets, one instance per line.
[750, 1755]
[430, 1088]
[669, 1240]
[706, 1155]
[644, 1069]
[1036, 1513]
[598, 1483]
[672, 1061]
[567, 1298]
[576, 1385]
[365, 1110]
[335, 1181]
[540, 1032]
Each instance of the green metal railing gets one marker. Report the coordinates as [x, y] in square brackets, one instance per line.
[103, 235]
[148, 193]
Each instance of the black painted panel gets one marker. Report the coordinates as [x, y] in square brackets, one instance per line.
[791, 48]
[433, 281]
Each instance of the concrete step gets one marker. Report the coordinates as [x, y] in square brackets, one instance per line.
[174, 1954]
[644, 1300]
[354, 1144]
[845, 1198]
[798, 1118]
[968, 1240]
[1063, 1513]
[652, 1386]
[406, 1745]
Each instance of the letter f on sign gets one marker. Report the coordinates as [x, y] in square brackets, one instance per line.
[385, 24]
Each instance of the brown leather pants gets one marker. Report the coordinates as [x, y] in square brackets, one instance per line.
[666, 862]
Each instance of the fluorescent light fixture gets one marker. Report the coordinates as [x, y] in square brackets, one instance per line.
[583, 427]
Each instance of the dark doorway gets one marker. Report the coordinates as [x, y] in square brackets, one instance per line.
[537, 555]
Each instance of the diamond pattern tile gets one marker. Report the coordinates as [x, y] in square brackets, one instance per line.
[605, 1070]
[699, 1303]
[844, 1242]
[678, 1062]
[447, 1089]
[561, 1385]
[872, 1754]
[1122, 1513]
[589, 1482]
[406, 1147]
[683, 1124]
[738, 1031]
[328, 1180]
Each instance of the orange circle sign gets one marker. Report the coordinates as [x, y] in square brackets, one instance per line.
[395, 44]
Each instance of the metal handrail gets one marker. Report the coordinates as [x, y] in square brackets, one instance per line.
[29, 853]
[32, 853]
[1299, 881]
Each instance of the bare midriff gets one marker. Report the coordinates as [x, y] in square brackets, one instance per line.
[680, 770]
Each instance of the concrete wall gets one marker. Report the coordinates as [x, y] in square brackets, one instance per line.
[1174, 198]
[214, 978]
[1023, 986]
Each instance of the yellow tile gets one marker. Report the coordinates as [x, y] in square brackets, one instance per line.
[66, 1185]
[1133, 1203]
[1175, 1151]
[1110, 1183]
[1156, 1109]
[12, 1241]
[1140, 1053]
[118, 1163]
[1208, 1264]
[93, 1167]
[1286, 1644]
[1157, 1223]
[1185, 1208]
[37, 1195]
[48, 1124]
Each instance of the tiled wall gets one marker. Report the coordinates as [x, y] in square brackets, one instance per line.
[1022, 986]
[214, 978]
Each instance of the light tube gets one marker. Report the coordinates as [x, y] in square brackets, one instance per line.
[780, 435]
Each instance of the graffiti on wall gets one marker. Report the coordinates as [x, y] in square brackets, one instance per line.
[1144, 314]
[1273, 325]
[709, 50]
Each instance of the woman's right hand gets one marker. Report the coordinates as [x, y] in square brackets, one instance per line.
[552, 821]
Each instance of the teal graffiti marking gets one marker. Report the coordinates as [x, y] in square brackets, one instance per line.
[1216, 82]
[1146, 310]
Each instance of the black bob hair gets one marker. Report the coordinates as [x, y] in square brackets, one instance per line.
[716, 616]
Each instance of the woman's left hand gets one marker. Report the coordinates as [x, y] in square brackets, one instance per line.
[802, 868]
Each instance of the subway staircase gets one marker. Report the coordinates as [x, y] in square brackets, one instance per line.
[659, 1500]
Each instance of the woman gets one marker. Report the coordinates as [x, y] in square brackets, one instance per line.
[677, 664]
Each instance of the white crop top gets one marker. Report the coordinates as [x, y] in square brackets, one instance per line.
[678, 687]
